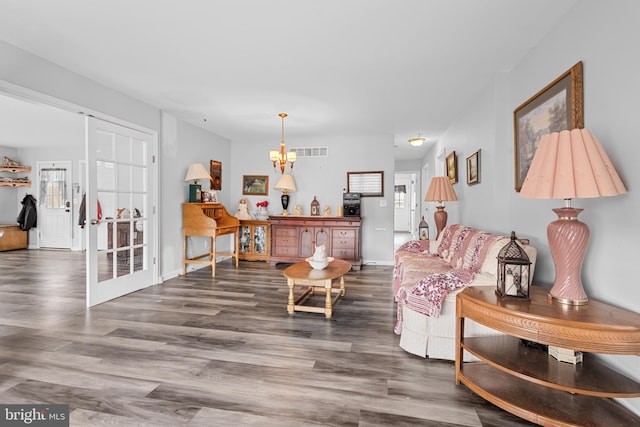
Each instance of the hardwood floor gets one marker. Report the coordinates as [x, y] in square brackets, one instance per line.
[203, 351]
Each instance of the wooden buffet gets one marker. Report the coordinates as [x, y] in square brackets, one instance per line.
[209, 220]
[293, 238]
[529, 383]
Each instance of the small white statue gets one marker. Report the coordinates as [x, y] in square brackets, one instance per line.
[243, 210]
[297, 210]
[326, 211]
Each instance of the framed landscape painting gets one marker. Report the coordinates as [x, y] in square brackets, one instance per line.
[473, 168]
[255, 185]
[559, 106]
[452, 167]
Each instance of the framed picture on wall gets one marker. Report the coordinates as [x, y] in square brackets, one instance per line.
[473, 168]
[215, 170]
[452, 167]
[255, 185]
[558, 106]
[368, 184]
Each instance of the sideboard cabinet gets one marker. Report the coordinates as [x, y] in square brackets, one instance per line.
[294, 238]
[531, 384]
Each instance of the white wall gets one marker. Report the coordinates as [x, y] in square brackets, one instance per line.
[610, 96]
[181, 145]
[325, 178]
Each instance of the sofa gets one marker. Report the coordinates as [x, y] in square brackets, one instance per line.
[427, 276]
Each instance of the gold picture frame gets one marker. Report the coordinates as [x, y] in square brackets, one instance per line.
[558, 106]
[452, 167]
[473, 168]
[215, 170]
[255, 185]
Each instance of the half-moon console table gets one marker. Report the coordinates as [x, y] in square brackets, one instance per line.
[525, 380]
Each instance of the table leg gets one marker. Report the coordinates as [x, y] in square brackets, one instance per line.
[212, 256]
[184, 255]
[342, 288]
[327, 300]
[290, 301]
[236, 250]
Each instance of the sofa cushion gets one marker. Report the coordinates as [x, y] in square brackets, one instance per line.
[479, 245]
[452, 238]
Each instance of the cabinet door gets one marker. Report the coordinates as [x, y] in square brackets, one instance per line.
[306, 238]
[260, 239]
[245, 239]
[310, 237]
[322, 238]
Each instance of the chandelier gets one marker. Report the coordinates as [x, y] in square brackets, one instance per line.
[282, 157]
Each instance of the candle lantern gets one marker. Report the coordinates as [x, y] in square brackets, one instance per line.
[423, 230]
[513, 271]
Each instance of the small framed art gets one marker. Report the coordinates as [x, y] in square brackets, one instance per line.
[473, 168]
[210, 196]
[452, 167]
[255, 185]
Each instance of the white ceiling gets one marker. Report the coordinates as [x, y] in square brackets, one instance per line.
[337, 67]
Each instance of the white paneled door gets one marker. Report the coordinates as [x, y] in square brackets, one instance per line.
[54, 205]
[120, 210]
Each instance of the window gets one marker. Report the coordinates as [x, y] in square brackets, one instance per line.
[368, 184]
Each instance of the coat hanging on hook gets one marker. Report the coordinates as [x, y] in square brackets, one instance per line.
[28, 217]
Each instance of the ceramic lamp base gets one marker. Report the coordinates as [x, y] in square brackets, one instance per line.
[440, 218]
[568, 239]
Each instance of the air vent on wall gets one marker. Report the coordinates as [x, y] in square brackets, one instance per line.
[311, 151]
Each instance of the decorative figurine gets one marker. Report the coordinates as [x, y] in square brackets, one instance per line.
[243, 210]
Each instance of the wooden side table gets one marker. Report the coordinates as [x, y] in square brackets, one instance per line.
[301, 273]
[529, 383]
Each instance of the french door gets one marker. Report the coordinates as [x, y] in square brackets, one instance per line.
[120, 210]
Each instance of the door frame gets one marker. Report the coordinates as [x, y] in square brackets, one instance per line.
[30, 95]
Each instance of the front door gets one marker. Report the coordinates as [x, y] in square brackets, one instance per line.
[120, 206]
[54, 205]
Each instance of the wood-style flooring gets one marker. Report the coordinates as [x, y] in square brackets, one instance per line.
[203, 351]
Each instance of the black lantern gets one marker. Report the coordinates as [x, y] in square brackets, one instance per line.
[513, 271]
[423, 230]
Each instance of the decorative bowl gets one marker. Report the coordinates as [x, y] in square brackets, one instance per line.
[319, 264]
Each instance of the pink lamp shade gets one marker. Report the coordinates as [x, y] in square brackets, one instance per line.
[567, 165]
[440, 190]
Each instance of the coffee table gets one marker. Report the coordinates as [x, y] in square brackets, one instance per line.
[301, 273]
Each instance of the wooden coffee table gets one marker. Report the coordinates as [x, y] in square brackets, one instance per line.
[301, 273]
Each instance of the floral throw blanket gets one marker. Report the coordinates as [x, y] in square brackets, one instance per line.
[427, 295]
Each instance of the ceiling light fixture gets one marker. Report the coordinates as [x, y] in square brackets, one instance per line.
[417, 141]
[282, 157]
